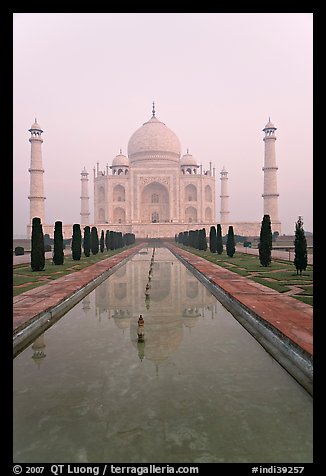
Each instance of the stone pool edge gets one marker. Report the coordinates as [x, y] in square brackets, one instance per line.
[296, 360]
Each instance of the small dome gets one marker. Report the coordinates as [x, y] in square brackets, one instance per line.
[269, 125]
[36, 126]
[120, 160]
[188, 159]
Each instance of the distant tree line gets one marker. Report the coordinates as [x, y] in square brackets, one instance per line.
[89, 243]
[197, 239]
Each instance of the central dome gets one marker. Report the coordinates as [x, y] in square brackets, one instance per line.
[153, 140]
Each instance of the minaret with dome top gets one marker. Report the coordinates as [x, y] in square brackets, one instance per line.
[270, 168]
[224, 197]
[36, 171]
[84, 212]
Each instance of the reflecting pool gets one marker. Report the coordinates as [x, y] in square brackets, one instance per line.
[198, 388]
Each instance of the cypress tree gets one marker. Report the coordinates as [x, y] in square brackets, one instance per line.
[121, 243]
[212, 240]
[202, 243]
[37, 250]
[300, 248]
[76, 242]
[196, 239]
[265, 242]
[102, 242]
[107, 240]
[111, 240]
[230, 243]
[219, 241]
[94, 240]
[87, 241]
[58, 255]
[191, 238]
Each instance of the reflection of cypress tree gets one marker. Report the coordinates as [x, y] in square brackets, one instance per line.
[219, 241]
[58, 256]
[37, 250]
[87, 241]
[76, 242]
[94, 240]
[230, 243]
[300, 248]
[265, 242]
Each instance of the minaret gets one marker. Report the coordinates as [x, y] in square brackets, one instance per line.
[36, 170]
[270, 194]
[84, 209]
[224, 197]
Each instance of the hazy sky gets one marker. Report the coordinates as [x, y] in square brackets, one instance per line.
[90, 79]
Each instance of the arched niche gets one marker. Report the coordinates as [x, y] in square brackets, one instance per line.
[155, 203]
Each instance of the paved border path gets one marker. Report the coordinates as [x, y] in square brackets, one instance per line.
[294, 319]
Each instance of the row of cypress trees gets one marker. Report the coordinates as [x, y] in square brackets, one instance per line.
[90, 243]
[197, 239]
[300, 245]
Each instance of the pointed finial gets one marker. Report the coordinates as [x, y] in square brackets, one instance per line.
[120, 152]
[269, 118]
[187, 150]
[35, 119]
[153, 110]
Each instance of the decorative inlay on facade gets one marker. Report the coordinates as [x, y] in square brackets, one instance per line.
[147, 180]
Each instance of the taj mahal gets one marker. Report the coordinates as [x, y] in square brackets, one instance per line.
[154, 191]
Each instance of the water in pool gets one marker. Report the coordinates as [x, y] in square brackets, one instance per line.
[199, 388]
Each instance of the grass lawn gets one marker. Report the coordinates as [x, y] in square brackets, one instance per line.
[280, 275]
[25, 279]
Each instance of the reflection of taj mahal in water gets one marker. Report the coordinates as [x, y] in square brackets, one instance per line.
[154, 191]
[177, 302]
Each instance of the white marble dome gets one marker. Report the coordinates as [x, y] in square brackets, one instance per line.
[120, 160]
[154, 140]
[269, 125]
[36, 126]
[188, 160]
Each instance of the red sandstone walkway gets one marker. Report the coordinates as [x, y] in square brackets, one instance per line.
[290, 316]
